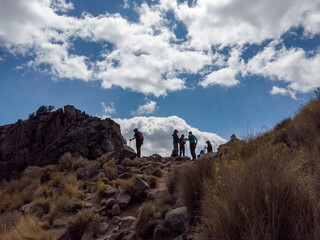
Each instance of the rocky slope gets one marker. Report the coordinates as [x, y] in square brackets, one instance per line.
[43, 138]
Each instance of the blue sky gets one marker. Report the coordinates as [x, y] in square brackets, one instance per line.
[220, 67]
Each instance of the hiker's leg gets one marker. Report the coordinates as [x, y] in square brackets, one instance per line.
[139, 150]
[175, 148]
[193, 150]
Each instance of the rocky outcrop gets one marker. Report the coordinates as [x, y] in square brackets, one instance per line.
[42, 139]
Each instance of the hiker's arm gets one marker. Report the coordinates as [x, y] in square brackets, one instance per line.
[133, 138]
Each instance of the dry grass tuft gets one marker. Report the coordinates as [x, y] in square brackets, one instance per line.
[78, 225]
[145, 224]
[126, 162]
[264, 198]
[157, 172]
[27, 228]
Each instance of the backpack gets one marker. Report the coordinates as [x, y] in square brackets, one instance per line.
[140, 137]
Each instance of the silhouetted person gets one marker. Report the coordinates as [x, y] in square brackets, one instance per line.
[233, 138]
[139, 140]
[209, 146]
[193, 143]
[182, 143]
[175, 143]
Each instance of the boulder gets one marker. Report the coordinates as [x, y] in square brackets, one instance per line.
[115, 210]
[141, 186]
[117, 236]
[123, 200]
[127, 222]
[115, 220]
[25, 209]
[109, 203]
[88, 234]
[103, 228]
[101, 209]
[163, 231]
[110, 192]
[179, 203]
[178, 219]
[127, 152]
[180, 237]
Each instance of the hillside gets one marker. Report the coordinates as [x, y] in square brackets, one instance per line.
[266, 187]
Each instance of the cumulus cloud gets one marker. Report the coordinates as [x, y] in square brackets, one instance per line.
[282, 91]
[108, 109]
[291, 66]
[146, 55]
[237, 22]
[226, 76]
[147, 108]
[158, 134]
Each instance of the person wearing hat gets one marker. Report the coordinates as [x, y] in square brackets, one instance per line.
[193, 143]
[209, 146]
[175, 143]
[139, 141]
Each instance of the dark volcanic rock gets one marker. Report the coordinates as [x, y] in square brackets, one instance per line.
[41, 140]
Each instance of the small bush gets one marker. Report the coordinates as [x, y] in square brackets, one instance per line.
[190, 184]
[126, 162]
[110, 169]
[78, 225]
[2, 137]
[145, 224]
[157, 172]
[56, 178]
[43, 110]
[64, 204]
[69, 185]
[128, 185]
[97, 187]
[26, 228]
[8, 220]
[65, 162]
[151, 180]
[41, 207]
[135, 170]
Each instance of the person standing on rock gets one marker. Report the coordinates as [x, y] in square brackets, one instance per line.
[175, 143]
[182, 143]
[209, 147]
[139, 140]
[193, 143]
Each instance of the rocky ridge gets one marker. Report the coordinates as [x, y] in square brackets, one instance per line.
[42, 139]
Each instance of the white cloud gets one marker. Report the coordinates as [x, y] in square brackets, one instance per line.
[226, 76]
[282, 91]
[108, 109]
[147, 57]
[147, 108]
[312, 22]
[237, 22]
[158, 134]
[291, 66]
